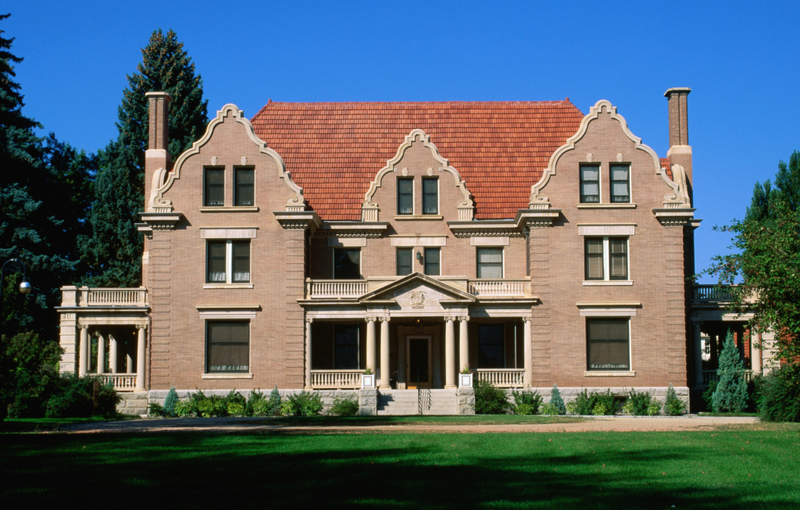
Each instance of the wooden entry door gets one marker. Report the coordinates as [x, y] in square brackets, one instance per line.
[419, 362]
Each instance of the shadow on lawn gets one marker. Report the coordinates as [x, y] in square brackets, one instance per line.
[197, 470]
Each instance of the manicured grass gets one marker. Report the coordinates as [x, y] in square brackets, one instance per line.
[715, 470]
[42, 424]
[479, 419]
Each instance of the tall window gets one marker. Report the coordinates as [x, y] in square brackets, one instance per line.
[430, 196]
[608, 344]
[347, 264]
[405, 259]
[491, 346]
[405, 196]
[490, 262]
[214, 187]
[228, 262]
[244, 179]
[227, 346]
[432, 261]
[346, 348]
[606, 258]
[590, 184]
[620, 184]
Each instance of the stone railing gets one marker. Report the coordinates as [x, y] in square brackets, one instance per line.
[327, 289]
[503, 377]
[711, 293]
[93, 296]
[121, 382]
[338, 379]
[499, 288]
[711, 375]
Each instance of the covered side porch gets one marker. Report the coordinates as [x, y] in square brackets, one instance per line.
[104, 333]
[417, 332]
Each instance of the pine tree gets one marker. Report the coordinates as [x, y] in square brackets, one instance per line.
[731, 392]
[557, 401]
[115, 248]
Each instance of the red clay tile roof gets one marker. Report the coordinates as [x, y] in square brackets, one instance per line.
[334, 150]
[666, 164]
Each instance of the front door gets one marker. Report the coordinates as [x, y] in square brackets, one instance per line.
[419, 362]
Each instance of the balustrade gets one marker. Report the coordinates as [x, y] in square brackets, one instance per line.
[503, 378]
[121, 382]
[497, 287]
[112, 297]
[711, 375]
[710, 293]
[336, 379]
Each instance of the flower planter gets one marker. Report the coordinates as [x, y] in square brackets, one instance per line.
[465, 380]
[368, 380]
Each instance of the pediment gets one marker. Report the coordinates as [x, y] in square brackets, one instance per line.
[419, 292]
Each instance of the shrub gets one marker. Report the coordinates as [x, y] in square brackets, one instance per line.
[305, 404]
[490, 400]
[708, 395]
[235, 409]
[583, 404]
[262, 406]
[287, 408]
[550, 410]
[156, 409]
[344, 406]
[779, 394]
[641, 403]
[531, 400]
[557, 401]
[673, 406]
[185, 409]
[731, 392]
[170, 401]
[74, 398]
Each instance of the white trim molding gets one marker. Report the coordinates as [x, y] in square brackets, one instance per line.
[607, 230]
[228, 233]
[608, 309]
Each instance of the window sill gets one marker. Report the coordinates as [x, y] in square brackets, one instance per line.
[608, 373]
[410, 217]
[229, 209]
[228, 376]
[606, 283]
[228, 286]
[607, 206]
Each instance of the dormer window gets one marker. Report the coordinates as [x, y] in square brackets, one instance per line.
[405, 196]
[590, 184]
[214, 187]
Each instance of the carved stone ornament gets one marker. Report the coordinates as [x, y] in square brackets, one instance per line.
[619, 157]
[228, 113]
[417, 299]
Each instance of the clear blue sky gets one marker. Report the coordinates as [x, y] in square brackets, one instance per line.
[741, 60]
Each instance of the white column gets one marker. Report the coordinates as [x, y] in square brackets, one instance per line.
[128, 361]
[112, 354]
[698, 354]
[449, 354]
[755, 351]
[527, 351]
[140, 358]
[101, 354]
[371, 361]
[308, 353]
[83, 354]
[463, 343]
[385, 369]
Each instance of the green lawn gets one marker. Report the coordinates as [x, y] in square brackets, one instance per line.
[717, 470]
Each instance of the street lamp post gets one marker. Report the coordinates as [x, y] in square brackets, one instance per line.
[24, 287]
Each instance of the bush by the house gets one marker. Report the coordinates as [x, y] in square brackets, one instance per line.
[344, 406]
[489, 399]
[593, 403]
[526, 402]
[74, 397]
[302, 404]
[557, 401]
[260, 405]
[549, 410]
[731, 392]
[779, 394]
[673, 406]
[170, 401]
[641, 403]
[583, 404]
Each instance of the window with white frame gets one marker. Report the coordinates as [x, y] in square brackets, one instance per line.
[228, 261]
[405, 261]
[433, 261]
[608, 344]
[606, 258]
[244, 187]
[227, 346]
[490, 263]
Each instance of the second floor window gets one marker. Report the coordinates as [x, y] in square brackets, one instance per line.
[606, 258]
[214, 187]
[490, 262]
[590, 184]
[405, 196]
[404, 261]
[346, 264]
[228, 262]
[433, 261]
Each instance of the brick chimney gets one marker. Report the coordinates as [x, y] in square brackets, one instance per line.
[156, 155]
[680, 152]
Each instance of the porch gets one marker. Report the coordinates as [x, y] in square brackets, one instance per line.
[103, 333]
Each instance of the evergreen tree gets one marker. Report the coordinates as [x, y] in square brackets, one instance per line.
[731, 392]
[114, 250]
[557, 401]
